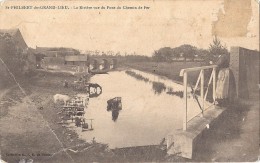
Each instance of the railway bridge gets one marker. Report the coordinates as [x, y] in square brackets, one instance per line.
[102, 63]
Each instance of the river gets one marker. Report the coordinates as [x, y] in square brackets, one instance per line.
[147, 114]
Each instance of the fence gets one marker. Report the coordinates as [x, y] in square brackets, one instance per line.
[203, 94]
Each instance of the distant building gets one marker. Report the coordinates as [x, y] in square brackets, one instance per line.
[56, 51]
[38, 57]
[81, 61]
[77, 60]
[54, 56]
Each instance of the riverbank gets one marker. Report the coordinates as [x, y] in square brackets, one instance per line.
[30, 126]
[165, 69]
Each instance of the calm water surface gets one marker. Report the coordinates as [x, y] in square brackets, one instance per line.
[146, 117]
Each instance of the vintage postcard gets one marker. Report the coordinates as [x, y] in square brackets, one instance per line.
[129, 81]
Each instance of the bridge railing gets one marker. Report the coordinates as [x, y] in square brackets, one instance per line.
[201, 80]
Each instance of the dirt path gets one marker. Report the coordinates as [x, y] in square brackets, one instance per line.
[244, 147]
[3, 92]
[235, 138]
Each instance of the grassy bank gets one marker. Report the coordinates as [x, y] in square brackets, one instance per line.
[172, 71]
[158, 87]
[169, 70]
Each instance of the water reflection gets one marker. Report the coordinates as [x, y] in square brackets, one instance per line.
[115, 114]
[158, 87]
[137, 76]
[170, 91]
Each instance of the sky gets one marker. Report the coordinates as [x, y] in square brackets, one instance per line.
[165, 24]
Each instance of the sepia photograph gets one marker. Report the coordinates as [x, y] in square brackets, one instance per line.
[129, 81]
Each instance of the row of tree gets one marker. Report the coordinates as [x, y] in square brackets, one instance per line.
[168, 54]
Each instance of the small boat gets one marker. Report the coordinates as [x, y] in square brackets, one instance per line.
[114, 104]
[95, 87]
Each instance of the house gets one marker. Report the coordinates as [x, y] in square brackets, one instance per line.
[81, 61]
[53, 57]
[38, 57]
[56, 51]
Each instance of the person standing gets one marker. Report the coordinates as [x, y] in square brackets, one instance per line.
[225, 89]
[65, 84]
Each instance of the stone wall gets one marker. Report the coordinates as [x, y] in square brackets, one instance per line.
[244, 63]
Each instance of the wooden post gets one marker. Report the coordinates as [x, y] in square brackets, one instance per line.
[214, 85]
[202, 88]
[91, 124]
[185, 78]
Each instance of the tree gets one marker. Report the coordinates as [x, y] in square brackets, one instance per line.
[76, 52]
[97, 52]
[110, 53]
[137, 58]
[202, 53]
[176, 53]
[103, 54]
[163, 54]
[118, 54]
[157, 57]
[187, 51]
[216, 48]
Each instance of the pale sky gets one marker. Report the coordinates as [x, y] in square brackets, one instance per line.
[166, 23]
